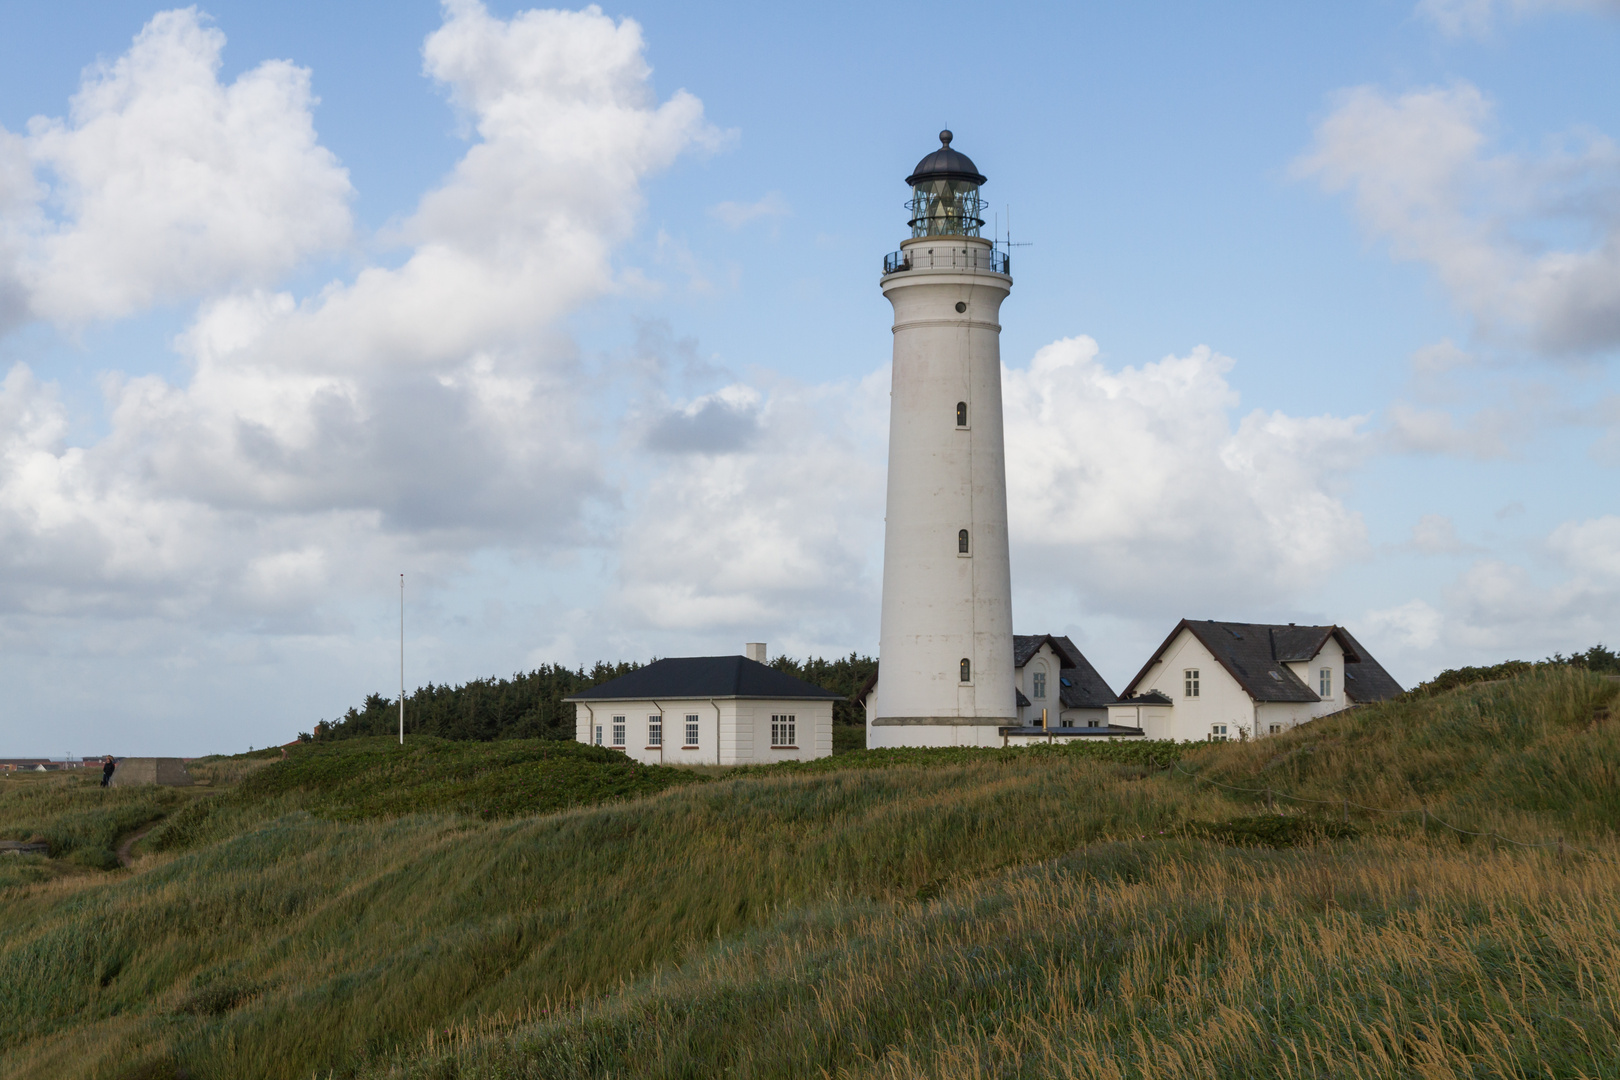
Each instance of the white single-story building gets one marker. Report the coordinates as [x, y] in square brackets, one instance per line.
[1059, 695]
[708, 710]
[1224, 680]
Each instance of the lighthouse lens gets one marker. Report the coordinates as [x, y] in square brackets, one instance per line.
[946, 207]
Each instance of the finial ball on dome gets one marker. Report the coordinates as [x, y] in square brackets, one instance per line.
[945, 137]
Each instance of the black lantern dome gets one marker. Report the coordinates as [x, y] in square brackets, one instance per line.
[945, 164]
[945, 193]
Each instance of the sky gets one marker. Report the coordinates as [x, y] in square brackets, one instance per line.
[572, 318]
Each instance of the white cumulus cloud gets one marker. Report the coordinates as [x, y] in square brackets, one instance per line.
[163, 183]
[1135, 489]
[1496, 227]
[418, 412]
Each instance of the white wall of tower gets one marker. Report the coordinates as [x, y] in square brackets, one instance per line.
[940, 606]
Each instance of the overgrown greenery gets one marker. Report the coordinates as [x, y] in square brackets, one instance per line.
[530, 705]
[1597, 659]
[1047, 911]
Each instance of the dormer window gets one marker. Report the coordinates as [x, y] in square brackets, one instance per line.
[1039, 683]
[1324, 682]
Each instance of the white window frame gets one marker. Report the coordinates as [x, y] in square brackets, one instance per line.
[619, 728]
[655, 730]
[1218, 733]
[1324, 682]
[1038, 684]
[1276, 729]
[1189, 682]
[598, 734]
[784, 731]
[691, 742]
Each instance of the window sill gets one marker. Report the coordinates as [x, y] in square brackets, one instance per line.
[691, 748]
[784, 748]
[652, 748]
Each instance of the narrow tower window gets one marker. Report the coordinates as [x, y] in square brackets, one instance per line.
[961, 414]
[962, 542]
[967, 670]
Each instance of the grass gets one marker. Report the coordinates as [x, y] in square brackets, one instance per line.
[1040, 912]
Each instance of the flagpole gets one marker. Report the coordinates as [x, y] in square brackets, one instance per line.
[402, 659]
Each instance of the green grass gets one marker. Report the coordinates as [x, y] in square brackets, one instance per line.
[77, 817]
[378, 778]
[1049, 911]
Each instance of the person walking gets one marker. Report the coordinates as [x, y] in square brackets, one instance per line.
[107, 767]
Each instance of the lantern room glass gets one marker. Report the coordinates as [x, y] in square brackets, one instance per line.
[946, 207]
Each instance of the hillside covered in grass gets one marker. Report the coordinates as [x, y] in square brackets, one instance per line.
[1043, 912]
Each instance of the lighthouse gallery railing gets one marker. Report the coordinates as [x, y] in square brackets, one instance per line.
[946, 257]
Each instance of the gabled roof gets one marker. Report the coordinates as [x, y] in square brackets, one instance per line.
[1366, 680]
[704, 677]
[1082, 687]
[1257, 656]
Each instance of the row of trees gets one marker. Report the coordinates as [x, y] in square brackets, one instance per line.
[529, 705]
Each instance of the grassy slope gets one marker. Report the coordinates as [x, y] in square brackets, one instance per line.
[988, 914]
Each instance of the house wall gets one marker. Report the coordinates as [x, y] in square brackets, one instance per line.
[1024, 678]
[1154, 720]
[1331, 657]
[1220, 699]
[731, 731]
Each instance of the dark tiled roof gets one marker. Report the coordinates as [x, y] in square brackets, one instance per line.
[1366, 680]
[1152, 697]
[1078, 682]
[702, 677]
[1257, 656]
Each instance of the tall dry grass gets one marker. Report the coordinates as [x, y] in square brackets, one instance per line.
[302, 944]
[1026, 914]
[1388, 958]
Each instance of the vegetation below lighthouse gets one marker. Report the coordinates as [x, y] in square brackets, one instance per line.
[1049, 911]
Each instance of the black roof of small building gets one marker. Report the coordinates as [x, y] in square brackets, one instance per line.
[704, 677]
[945, 164]
[1257, 655]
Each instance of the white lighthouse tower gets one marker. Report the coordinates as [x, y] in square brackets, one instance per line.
[946, 645]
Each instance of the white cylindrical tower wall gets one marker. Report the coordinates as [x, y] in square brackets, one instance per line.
[941, 605]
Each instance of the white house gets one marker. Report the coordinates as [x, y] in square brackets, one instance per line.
[1223, 680]
[708, 710]
[1057, 695]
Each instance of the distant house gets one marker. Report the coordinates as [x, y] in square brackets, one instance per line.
[708, 710]
[1059, 695]
[1224, 680]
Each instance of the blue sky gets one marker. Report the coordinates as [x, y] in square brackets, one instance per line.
[575, 320]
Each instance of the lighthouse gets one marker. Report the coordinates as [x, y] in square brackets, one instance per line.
[946, 642]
